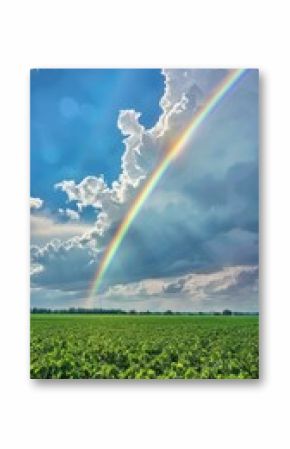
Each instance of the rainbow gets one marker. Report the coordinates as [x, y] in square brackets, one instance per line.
[173, 151]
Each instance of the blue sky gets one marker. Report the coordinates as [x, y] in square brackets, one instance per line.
[73, 123]
[95, 137]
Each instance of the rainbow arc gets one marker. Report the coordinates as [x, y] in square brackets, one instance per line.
[151, 182]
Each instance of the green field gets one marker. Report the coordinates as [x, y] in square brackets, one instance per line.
[144, 347]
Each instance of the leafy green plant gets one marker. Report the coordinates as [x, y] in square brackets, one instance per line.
[144, 347]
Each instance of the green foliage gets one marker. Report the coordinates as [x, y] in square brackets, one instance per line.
[144, 347]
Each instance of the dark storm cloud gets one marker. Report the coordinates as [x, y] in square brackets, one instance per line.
[213, 223]
[175, 287]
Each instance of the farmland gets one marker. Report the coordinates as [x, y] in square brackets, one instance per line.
[144, 347]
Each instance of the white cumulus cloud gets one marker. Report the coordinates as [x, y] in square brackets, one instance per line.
[143, 148]
[35, 203]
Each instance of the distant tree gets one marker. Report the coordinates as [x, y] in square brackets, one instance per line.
[168, 312]
[227, 312]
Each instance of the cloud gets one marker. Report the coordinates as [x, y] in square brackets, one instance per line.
[231, 287]
[175, 287]
[35, 268]
[203, 215]
[225, 281]
[196, 286]
[234, 287]
[69, 213]
[63, 265]
[55, 298]
[45, 228]
[36, 203]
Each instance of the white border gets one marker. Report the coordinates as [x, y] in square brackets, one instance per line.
[137, 34]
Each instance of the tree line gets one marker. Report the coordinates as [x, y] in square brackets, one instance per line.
[99, 311]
